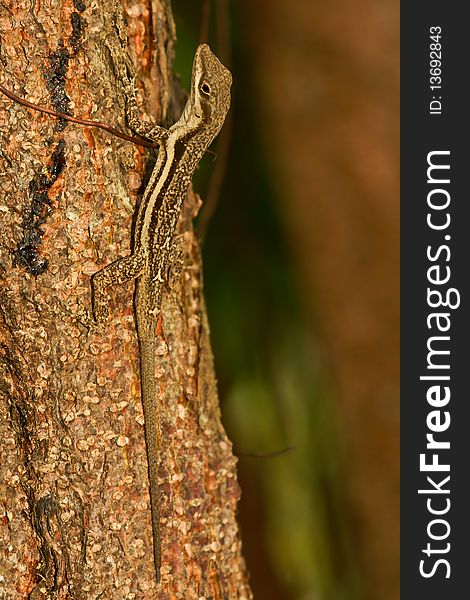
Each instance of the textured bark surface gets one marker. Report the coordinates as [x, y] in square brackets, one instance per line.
[74, 511]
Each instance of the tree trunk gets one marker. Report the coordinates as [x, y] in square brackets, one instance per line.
[74, 484]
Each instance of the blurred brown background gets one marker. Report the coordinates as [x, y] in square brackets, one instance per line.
[301, 275]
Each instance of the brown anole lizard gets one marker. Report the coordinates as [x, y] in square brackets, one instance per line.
[181, 147]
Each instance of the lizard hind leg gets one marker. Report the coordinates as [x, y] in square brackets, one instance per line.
[120, 271]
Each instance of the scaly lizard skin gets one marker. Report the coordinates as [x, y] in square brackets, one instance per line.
[181, 148]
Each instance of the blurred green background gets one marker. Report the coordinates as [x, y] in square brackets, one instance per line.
[301, 283]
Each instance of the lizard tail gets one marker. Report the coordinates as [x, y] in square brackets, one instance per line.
[149, 401]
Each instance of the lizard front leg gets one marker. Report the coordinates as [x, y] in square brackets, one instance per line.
[146, 127]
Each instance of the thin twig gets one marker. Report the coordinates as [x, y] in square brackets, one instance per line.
[135, 140]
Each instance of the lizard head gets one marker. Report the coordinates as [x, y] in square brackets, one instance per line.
[209, 100]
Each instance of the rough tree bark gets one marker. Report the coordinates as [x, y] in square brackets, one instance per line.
[75, 518]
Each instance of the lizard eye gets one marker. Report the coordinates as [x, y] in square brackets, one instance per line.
[205, 88]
